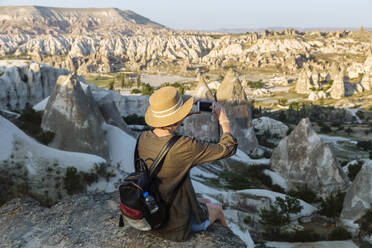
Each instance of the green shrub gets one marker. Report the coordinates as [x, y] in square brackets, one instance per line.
[339, 233]
[305, 194]
[135, 91]
[365, 244]
[365, 145]
[45, 137]
[348, 130]
[300, 236]
[279, 212]
[283, 102]
[101, 169]
[366, 222]
[73, 181]
[134, 120]
[147, 89]
[325, 129]
[354, 169]
[332, 205]
[256, 85]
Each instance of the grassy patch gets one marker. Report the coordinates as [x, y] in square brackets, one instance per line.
[100, 81]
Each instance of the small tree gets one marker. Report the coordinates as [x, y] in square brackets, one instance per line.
[279, 212]
[111, 85]
[138, 81]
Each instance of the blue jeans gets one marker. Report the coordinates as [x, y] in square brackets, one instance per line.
[199, 227]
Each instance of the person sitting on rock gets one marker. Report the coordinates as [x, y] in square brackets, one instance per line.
[165, 114]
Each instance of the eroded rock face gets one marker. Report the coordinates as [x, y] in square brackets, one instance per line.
[304, 160]
[75, 119]
[74, 221]
[358, 199]
[23, 83]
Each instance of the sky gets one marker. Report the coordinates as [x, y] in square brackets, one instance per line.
[234, 14]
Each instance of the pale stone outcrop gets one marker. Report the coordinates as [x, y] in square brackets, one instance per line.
[26, 83]
[304, 160]
[75, 119]
[266, 124]
[313, 96]
[303, 83]
[358, 199]
[337, 91]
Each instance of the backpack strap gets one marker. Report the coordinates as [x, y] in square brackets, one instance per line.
[136, 150]
[158, 162]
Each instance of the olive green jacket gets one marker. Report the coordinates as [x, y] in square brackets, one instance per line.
[185, 153]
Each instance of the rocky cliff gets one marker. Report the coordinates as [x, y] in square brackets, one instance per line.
[90, 221]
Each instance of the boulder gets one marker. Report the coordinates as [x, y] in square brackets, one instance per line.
[266, 124]
[90, 220]
[304, 160]
[75, 119]
[358, 199]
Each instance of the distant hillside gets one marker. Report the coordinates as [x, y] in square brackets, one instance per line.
[48, 20]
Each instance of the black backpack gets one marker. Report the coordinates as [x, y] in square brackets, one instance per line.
[140, 200]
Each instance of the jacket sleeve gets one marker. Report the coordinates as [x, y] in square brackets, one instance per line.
[209, 152]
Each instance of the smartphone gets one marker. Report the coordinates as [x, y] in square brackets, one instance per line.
[204, 106]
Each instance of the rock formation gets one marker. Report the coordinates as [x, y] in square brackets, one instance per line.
[358, 199]
[26, 83]
[111, 114]
[202, 91]
[337, 91]
[303, 160]
[90, 221]
[266, 124]
[30, 168]
[232, 96]
[75, 119]
[126, 104]
[366, 82]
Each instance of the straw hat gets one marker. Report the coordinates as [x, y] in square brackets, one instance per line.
[167, 107]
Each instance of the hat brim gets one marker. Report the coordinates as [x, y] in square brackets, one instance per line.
[169, 120]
